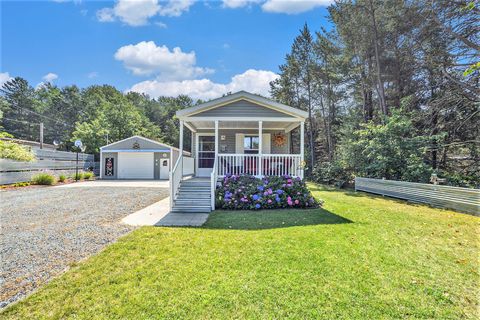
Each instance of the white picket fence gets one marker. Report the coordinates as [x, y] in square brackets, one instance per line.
[55, 162]
[460, 199]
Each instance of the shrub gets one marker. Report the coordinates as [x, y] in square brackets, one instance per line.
[332, 173]
[16, 185]
[14, 151]
[77, 176]
[62, 178]
[21, 184]
[44, 179]
[271, 192]
[88, 175]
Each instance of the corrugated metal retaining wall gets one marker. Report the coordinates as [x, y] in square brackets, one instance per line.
[460, 199]
[56, 162]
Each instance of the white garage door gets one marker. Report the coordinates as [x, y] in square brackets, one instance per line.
[135, 165]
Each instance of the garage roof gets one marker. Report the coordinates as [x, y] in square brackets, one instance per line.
[137, 144]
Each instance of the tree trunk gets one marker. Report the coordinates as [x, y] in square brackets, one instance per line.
[327, 129]
[380, 88]
[310, 132]
[367, 98]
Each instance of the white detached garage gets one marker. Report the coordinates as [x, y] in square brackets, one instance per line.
[137, 158]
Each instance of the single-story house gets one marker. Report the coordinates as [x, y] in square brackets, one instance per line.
[240, 134]
[137, 158]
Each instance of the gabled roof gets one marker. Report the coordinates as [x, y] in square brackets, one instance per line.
[139, 138]
[246, 96]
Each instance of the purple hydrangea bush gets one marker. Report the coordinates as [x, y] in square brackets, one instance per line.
[272, 192]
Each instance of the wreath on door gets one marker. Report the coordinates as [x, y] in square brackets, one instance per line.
[279, 139]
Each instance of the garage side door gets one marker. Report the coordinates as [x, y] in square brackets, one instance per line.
[135, 165]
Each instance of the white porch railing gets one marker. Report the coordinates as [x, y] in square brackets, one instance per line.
[259, 165]
[213, 184]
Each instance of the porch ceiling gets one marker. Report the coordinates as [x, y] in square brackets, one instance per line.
[277, 125]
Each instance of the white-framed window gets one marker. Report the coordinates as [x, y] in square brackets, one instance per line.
[250, 144]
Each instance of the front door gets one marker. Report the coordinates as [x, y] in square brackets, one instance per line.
[206, 155]
[164, 169]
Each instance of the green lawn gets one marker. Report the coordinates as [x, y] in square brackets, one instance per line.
[359, 257]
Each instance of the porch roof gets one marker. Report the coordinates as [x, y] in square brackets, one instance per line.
[256, 100]
[242, 110]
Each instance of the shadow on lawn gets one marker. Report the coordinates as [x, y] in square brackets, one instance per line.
[271, 219]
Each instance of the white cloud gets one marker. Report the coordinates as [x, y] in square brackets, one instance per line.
[234, 4]
[138, 12]
[255, 81]
[4, 77]
[293, 6]
[161, 25]
[106, 15]
[146, 58]
[50, 77]
[175, 8]
[92, 74]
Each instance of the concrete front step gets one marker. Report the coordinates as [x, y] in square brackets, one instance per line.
[193, 192]
[187, 183]
[193, 196]
[191, 210]
[192, 201]
[195, 187]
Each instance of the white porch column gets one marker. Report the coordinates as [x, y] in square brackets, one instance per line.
[216, 140]
[260, 148]
[302, 146]
[180, 142]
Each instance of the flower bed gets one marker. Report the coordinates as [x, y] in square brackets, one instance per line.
[272, 192]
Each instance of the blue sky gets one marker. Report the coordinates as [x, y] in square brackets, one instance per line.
[201, 48]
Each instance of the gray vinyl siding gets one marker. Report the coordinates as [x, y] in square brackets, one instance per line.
[243, 108]
[128, 145]
[229, 142]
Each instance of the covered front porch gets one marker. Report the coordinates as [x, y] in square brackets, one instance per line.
[258, 148]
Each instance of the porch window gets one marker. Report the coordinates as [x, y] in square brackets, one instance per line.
[250, 144]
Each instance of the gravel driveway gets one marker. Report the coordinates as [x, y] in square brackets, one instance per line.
[44, 230]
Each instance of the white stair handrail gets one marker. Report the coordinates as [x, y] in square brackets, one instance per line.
[176, 176]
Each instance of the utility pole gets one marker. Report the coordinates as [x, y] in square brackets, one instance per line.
[41, 135]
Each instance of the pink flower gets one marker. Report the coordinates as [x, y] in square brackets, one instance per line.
[289, 201]
[269, 201]
[297, 202]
